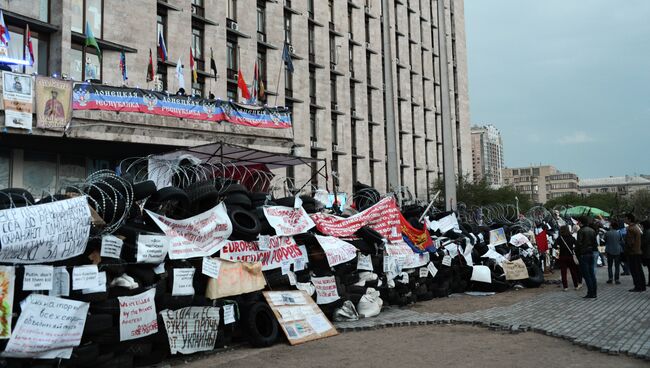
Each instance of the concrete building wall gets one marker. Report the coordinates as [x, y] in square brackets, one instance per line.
[358, 149]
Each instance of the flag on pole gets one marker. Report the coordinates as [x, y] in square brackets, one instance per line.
[123, 65]
[162, 49]
[253, 99]
[262, 94]
[91, 41]
[195, 77]
[179, 74]
[286, 56]
[241, 83]
[150, 73]
[4, 31]
[213, 65]
[29, 48]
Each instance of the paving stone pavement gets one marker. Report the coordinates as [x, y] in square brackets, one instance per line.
[617, 322]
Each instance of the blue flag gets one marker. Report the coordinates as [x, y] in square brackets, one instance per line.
[286, 56]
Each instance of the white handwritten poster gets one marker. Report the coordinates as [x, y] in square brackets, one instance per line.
[85, 277]
[336, 250]
[111, 246]
[45, 232]
[38, 277]
[288, 221]
[152, 248]
[326, 291]
[191, 329]
[48, 328]
[183, 282]
[138, 315]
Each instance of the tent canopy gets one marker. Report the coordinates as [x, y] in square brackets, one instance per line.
[230, 154]
[583, 211]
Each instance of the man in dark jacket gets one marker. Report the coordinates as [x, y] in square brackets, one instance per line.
[633, 252]
[645, 246]
[585, 247]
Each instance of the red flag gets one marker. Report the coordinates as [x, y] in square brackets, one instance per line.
[241, 83]
[150, 74]
[195, 77]
[29, 49]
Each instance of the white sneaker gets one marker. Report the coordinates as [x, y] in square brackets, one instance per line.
[579, 286]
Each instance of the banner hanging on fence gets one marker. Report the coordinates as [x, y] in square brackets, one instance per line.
[97, 97]
[281, 249]
[383, 217]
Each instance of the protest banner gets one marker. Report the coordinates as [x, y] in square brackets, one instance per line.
[383, 217]
[336, 250]
[498, 236]
[404, 255]
[236, 278]
[48, 327]
[191, 329]
[111, 246]
[279, 249]
[38, 277]
[288, 221]
[18, 98]
[515, 270]
[99, 97]
[299, 317]
[138, 315]
[199, 236]
[447, 223]
[152, 248]
[7, 281]
[46, 232]
[53, 103]
[326, 290]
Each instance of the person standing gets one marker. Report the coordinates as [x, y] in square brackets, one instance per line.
[633, 253]
[566, 243]
[585, 247]
[645, 246]
[622, 230]
[613, 250]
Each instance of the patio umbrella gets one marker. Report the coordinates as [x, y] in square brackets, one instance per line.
[583, 210]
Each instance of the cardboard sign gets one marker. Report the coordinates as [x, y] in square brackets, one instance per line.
[280, 249]
[364, 262]
[85, 277]
[236, 278]
[228, 314]
[138, 315]
[300, 318]
[152, 248]
[18, 97]
[45, 233]
[191, 329]
[183, 282]
[481, 274]
[48, 327]
[288, 221]
[7, 280]
[60, 282]
[515, 270]
[383, 217]
[38, 277]
[210, 267]
[336, 250]
[53, 103]
[111, 246]
[199, 236]
[498, 236]
[326, 291]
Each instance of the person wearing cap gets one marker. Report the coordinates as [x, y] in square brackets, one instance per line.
[633, 253]
[585, 247]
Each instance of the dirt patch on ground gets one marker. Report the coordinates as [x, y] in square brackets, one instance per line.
[423, 346]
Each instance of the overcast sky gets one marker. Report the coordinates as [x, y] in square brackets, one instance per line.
[567, 82]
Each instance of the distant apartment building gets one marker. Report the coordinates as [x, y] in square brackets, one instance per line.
[487, 154]
[541, 183]
[621, 185]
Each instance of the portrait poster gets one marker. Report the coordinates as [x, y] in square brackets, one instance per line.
[53, 103]
[18, 97]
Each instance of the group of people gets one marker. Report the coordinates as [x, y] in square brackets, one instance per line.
[626, 245]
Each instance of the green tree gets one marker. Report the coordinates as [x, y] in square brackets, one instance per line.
[609, 202]
[482, 194]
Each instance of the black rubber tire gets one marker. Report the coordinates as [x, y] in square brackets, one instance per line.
[245, 225]
[228, 188]
[261, 325]
[286, 201]
[535, 276]
[238, 199]
[202, 194]
[154, 357]
[97, 323]
[23, 195]
[169, 194]
[144, 189]
[120, 361]
[84, 355]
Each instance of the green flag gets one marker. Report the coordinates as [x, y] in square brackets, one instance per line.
[91, 41]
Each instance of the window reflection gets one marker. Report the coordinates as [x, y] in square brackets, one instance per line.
[77, 16]
[5, 168]
[76, 68]
[39, 173]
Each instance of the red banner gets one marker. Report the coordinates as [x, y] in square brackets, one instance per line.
[383, 217]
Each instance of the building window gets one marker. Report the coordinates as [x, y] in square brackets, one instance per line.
[87, 11]
[231, 60]
[333, 90]
[310, 8]
[351, 59]
[5, 168]
[333, 58]
[287, 27]
[232, 10]
[85, 64]
[367, 30]
[198, 8]
[330, 6]
[311, 42]
[313, 129]
[335, 130]
[199, 86]
[16, 49]
[350, 25]
[312, 85]
[288, 83]
[197, 48]
[261, 21]
[261, 65]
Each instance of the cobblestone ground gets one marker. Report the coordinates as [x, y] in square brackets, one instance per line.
[617, 322]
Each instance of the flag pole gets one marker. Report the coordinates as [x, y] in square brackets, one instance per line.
[277, 85]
